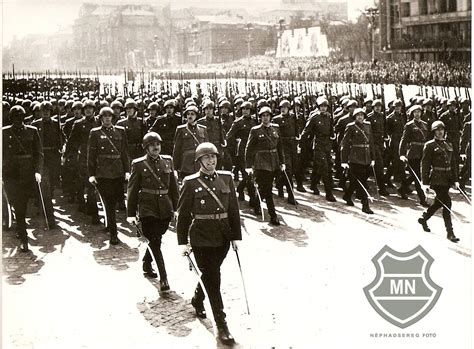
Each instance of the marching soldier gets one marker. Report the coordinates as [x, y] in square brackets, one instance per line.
[153, 192]
[358, 155]
[428, 115]
[414, 137]
[214, 129]
[237, 137]
[288, 127]
[209, 220]
[453, 126]
[134, 128]
[339, 129]
[187, 138]
[439, 171]
[395, 124]
[108, 165]
[76, 155]
[21, 167]
[77, 115]
[465, 111]
[166, 125]
[377, 124]
[153, 110]
[319, 130]
[226, 120]
[117, 108]
[264, 156]
[465, 150]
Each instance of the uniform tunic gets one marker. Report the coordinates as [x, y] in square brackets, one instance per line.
[187, 138]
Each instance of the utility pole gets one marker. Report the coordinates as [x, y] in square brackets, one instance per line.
[371, 13]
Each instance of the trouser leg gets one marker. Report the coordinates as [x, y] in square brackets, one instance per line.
[153, 229]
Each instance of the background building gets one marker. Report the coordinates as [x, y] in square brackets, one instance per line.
[426, 29]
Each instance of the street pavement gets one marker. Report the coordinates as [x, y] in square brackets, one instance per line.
[304, 282]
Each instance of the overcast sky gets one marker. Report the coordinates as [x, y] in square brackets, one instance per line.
[22, 17]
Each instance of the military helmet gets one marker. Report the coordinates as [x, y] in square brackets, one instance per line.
[377, 102]
[26, 103]
[205, 148]
[262, 103]
[103, 103]
[246, 105]
[397, 101]
[6, 105]
[427, 101]
[321, 100]
[17, 112]
[297, 101]
[46, 105]
[77, 105]
[464, 100]
[171, 103]
[207, 104]
[130, 103]
[265, 110]
[224, 104]
[116, 104]
[351, 103]
[367, 100]
[191, 108]
[285, 103]
[89, 103]
[153, 106]
[451, 101]
[62, 102]
[437, 124]
[192, 103]
[36, 107]
[413, 108]
[151, 137]
[238, 101]
[106, 110]
[359, 111]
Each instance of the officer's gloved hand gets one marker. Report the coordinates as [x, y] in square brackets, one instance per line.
[345, 165]
[184, 250]
[425, 188]
[175, 216]
[249, 170]
[132, 220]
[92, 180]
[463, 157]
[456, 185]
[127, 176]
[283, 167]
[235, 244]
[38, 177]
[372, 163]
[403, 158]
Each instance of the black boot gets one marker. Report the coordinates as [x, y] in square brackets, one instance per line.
[330, 197]
[241, 196]
[114, 240]
[280, 192]
[424, 203]
[199, 308]
[451, 236]
[148, 271]
[424, 223]
[316, 190]
[348, 200]
[300, 188]
[366, 208]
[24, 244]
[223, 333]
[95, 220]
[384, 192]
[164, 286]
[402, 193]
[291, 200]
[274, 220]
[257, 210]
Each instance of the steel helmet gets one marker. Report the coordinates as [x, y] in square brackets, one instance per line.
[437, 124]
[17, 112]
[151, 137]
[205, 148]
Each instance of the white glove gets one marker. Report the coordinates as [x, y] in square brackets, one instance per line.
[372, 163]
[456, 185]
[425, 188]
[235, 244]
[127, 176]
[249, 170]
[175, 216]
[38, 177]
[283, 167]
[132, 220]
[143, 240]
[184, 250]
[92, 180]
[345, 165]
[403, 158]
[463, 157]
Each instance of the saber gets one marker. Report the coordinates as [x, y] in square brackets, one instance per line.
[140, 233]
[450, 211]
[42, 205]
[366, 191]
[414, 173]
[243, 282]
[106, 221]
[259, 199]
[375, 178]
[465, 196]
[291, 188]
[9, 208]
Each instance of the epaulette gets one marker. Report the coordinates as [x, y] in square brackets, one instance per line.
[193, 176]
[274, 125]
[120, 128]
[160, 117]
[430, 142]
[351, 123]
[181, 126]
[96, 128]
[256, 127]
[224, 172]
[167, 157]
[6, 127]
[134, 161]
[202, 126]
[366, 122]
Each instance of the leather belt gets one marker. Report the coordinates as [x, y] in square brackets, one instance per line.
[109, 156]
[267, 151]
[211, 216]
[361, 145]
[155, 192]
[446, 169]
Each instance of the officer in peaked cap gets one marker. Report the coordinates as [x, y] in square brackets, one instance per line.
[186, 140]
[153, 194]
[22, 166]
[264, 156]
[439, 171]
[358, 155]
[108, 165]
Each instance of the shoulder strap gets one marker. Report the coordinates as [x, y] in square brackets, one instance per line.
[212, 194]
[152, 172]
[110, 141]
[363, 132]
[192, 134]
[18, 141]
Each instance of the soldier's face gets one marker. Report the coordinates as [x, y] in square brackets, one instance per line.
[88, 111]
[352, 108]
[209, 111]
[398, 108]
[209, 162]
[153, 112]
[245, 111]
[77, 112]
[378, 108]
[323, 108]
[439, 133]
[130, 111]
[154, 149]
[428, 107]
[169, 110]
[46, 113]
[107, 120]
[266, 118]
[368, 106]
[417, 114]
[285, 110]
[116, 111]
[191, 116]
[359, 117]
[224, 110]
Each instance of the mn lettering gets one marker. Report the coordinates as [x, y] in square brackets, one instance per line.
[402, 287]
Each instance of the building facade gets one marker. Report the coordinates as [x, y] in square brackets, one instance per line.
[426, 30]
